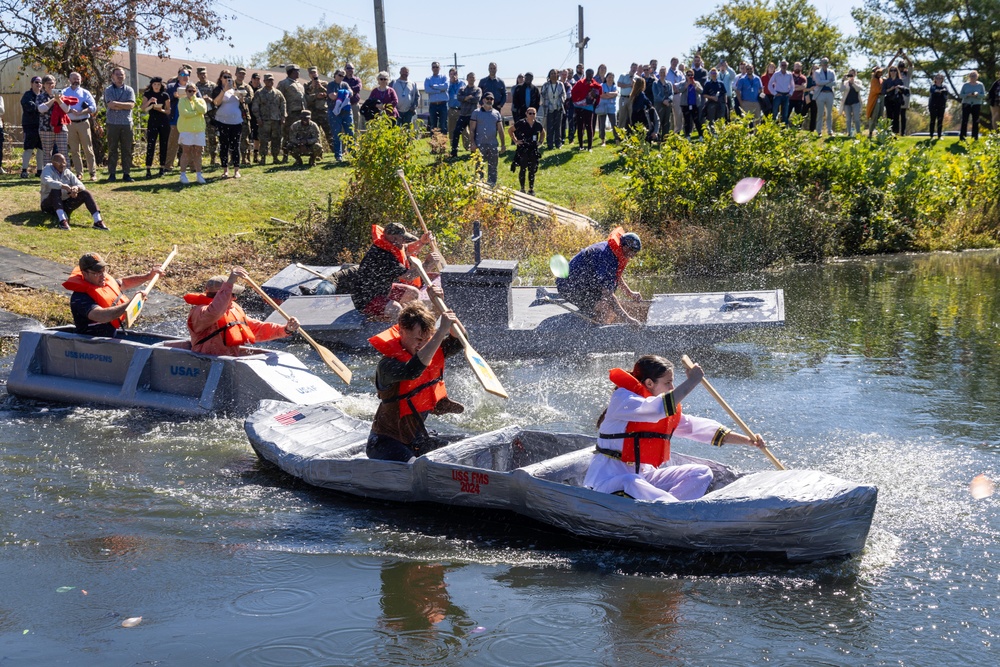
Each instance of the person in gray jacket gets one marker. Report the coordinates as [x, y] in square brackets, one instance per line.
[62, 192]
[469, 99]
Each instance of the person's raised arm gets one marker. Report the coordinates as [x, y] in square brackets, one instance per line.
[426, 353]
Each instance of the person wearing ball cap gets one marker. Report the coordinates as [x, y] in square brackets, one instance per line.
[595, 274]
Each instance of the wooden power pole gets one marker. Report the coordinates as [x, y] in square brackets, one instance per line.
[582, 41]
[380, 45]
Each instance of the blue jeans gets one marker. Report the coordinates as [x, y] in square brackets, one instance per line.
[342, 123]
[438, 117]
[406, 117]
[783, 104]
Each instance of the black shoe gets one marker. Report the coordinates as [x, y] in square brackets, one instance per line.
[24, 173]
[127, 178]
[149, 173]
[101, 226]
[64, 225]
[162, 171]
[112, 178]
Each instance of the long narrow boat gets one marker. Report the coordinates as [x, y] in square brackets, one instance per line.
[153, 371]
[506, 320]
[802, 515]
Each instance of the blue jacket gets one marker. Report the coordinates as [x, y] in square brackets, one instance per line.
[497, 87]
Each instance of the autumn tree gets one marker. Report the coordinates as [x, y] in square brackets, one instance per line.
[940, 36]
[763, 31]
[327, 47]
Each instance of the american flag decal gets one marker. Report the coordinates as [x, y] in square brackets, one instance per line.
[289, 418]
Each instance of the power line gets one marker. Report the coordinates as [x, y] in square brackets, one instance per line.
[252, 18]
[550, 38]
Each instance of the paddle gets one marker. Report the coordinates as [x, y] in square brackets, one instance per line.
[315, 273]
[416, 209]
[139, 300]
[328, 357]
[732, 413]
[483, 372]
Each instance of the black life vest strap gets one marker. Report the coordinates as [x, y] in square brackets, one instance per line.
[634, 437]
[408, 396]
[219, 331]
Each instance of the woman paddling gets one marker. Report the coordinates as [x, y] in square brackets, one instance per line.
[635, 432]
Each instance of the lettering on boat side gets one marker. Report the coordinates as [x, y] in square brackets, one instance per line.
[186, 371]
[308, 389]
[469, 482]
[89, 356]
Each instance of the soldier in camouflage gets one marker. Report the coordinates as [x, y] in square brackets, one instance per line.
[316, 102]
[245, 92]
[295, 101]
[205, 88]
[303, 139]
[269, 110]
[256, 83]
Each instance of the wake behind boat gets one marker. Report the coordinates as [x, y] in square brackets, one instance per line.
[802, 515]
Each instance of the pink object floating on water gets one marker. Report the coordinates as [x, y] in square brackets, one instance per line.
[747, 189]
[479, 629]
[981, 487]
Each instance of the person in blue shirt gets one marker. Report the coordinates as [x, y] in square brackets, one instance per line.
[454, 104]
[436, 87]
[338, 112]
[748, 89]
[595, 274]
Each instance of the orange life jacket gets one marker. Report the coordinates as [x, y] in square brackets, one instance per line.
[615, 243]
[380, 241]
[232, 325]
[650, 440]
[414, 396]
[106, 295]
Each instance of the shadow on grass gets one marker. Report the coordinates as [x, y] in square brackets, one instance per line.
[550, 159]
[610, 167]
[957, 148]
[31, 219]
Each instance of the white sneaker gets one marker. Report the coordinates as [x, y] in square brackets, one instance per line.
[201, 179]
[184, 178]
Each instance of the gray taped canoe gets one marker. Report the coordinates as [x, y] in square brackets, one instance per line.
[802, 515]
[154, 371]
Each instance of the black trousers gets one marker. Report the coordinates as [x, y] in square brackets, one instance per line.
[937, 117]
[970, 111]
[157, 134]
[54, 201]
[229, 144]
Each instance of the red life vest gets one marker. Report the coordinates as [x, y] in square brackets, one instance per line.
[414, 396]
[380, 241]
[107, 295]
[232, 325]
[615, 243]
[650, 440]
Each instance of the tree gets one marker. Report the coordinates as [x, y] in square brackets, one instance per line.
[81, 35]
[762, 31]
[940, 36]
[327, 47]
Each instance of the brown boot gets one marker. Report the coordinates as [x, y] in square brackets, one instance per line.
[446, 406]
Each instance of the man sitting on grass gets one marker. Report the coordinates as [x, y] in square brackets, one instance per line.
[63, 192]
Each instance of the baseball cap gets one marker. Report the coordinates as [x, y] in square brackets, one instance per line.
[202, 70]
[305, 112]
[348, 66]
[631, 241]
[92, 261]
[268, 77]
[241, 69]
[289, 68]
[313, 69]
[397, 229]
[215, 283]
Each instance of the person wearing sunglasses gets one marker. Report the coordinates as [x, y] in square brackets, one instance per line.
[527, 135]
[384, 97]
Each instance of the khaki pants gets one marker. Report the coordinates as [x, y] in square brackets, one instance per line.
[751, 107]
[79, 140]
[996, 117]
[173, 149]
[246, 142]
[119, 139]
[453, 115]
[679, 113]
[269, 134]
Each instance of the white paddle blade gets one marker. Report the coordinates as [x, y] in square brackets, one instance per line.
[747, 189]
[134, 308]
[559, 266]
[485, 374]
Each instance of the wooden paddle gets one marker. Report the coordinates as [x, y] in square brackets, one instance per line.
[139, 300]
[315, 273]
[328, 357]
[483, 372]
[732, 413]
[416, 209]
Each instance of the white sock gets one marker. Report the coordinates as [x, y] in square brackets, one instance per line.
[97, 216]
[61, 214]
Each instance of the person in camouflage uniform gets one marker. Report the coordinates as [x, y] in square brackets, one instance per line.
[246, 100]
[303, 139]
[295, 101]
[316, 102]
[256, 83]
[269, 110]
[205, 88]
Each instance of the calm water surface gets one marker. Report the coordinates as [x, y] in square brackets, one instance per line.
[887, 372]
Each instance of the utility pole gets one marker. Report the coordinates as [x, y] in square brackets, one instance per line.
[133, 67]
[582, 43]
[380, 46]
[456, 65]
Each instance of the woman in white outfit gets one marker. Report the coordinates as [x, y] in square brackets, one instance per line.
[633, 450]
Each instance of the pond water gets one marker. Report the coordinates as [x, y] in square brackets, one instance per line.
[887, 372]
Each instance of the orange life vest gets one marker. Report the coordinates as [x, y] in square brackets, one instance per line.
[380, 241]
[615, 243]
[107, 295]
[232, 325]
[650, 440]
[414, 396]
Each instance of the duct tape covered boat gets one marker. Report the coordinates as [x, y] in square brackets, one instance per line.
[801, 515]
[153, 371]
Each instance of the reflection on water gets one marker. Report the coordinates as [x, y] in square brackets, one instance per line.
[886, 372]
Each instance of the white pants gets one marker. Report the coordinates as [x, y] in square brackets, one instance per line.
[683, 482]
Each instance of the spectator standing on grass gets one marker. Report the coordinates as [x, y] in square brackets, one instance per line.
[905, 67]
[624, 90]
[81, 144]
[191, 111]
[994, 99]
[228, 122]
[176, 90]
[205, 88]
[436, 88]
[355, 85]
[454, 105]
[526, 135]
[2, 111]
[553, 100]
[767, 100]
[606, 107]
[690, 98]
[781, 85]
[586, 93]
[973, 95]
[825, 80]
[937, 102]
[569, 111]
[876, 100]
[255, 87]
[748, 91]
[524, 96]
[714, 93]
[486, 126]
[642, 109]
[384, 96]
[799, 82]
[119, 100]
[407, 96]
[245, 92]
[892, 87]
[492, 84]
[269, 108]
[850, 94]
[809, 106]
[469, 98]
[316, 102]
[52, 120]
[156, 103]
[728, 78]
[30, 123]
[675, 77]
[294, 93]
[663, 103]
[339, 112]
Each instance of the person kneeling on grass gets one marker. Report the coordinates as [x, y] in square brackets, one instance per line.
[595, 274]
[409, 380]
[303, 139]
[218, 324]
[635, 431]
[63, 193]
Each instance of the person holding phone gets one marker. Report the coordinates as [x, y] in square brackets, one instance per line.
[850, 90]
[156, 102]
[228, 122]
[191, 111]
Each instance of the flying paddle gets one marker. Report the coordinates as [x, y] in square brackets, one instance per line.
[328, 357]
[747, 189]
[483, 372]
[139, 300]
[732, 413]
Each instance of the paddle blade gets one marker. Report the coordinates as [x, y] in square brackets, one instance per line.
[559, 266]
[484, 373]
[747, 189]
[335, 364]
[134, 308]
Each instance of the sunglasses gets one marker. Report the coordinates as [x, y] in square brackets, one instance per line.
[382, 78]
[529, 113]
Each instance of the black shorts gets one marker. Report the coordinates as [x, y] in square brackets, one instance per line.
[32, 139]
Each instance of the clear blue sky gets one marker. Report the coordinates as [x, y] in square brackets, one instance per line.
[520, 35]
